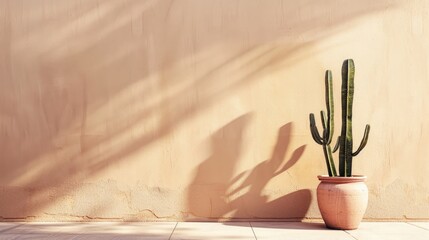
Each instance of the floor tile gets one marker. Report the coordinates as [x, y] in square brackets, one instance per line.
[75, 237]
[211, 230]
[424, 225]
[34, 228]
[134, 228]
[389, 231]
[99, 230]
[29, 236]
[296, 231]
[7, 225]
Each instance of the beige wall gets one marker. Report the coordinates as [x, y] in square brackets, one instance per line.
[183, 110]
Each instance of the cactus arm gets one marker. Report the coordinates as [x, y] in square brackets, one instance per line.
[363, 142]
[322, 141]
[315, 137]
[337, 144]
[347, 89]
[329, 106]
[314, 132]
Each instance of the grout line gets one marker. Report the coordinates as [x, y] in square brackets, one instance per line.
[251, 227]
[173, 230]
[13, 227]
[350, 234]
[417, 226]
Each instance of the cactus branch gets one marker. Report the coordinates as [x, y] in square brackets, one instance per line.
[363, 142]
[329, 106]
[337, 144]
[314, 132]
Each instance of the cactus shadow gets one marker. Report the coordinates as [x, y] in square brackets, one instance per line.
[254, 202]
[216, 193]
[207, 190]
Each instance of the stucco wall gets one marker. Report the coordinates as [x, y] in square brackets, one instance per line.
[184, 110]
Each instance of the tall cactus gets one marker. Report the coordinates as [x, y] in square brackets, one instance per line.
[346, 138]
[327, 124]
[345, 141]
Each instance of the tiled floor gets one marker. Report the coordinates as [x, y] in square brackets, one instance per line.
[204, 230]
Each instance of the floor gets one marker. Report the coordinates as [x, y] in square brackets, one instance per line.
[205, 230]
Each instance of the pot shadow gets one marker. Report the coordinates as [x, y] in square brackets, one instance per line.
[214, 193]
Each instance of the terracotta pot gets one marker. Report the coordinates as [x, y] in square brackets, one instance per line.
[342, 201]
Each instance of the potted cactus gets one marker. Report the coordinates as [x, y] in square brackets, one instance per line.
[341, 196]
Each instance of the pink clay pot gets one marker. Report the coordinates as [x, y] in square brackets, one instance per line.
[342, 201]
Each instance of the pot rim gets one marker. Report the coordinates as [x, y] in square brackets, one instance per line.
[353, 178]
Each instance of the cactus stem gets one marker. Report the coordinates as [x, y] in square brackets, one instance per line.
[329, 161]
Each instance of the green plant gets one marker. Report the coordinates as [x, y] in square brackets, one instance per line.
[345, 141]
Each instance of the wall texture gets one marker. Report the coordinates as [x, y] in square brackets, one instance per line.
[198, 110]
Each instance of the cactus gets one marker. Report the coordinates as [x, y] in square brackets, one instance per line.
[345, 141]
[327, 124]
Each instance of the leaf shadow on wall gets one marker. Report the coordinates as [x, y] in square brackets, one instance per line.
[215, 194]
